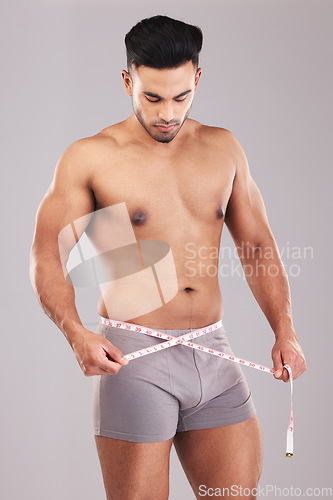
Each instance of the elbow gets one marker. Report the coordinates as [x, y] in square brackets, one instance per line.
[264, 241]
[248, 250]
[266, 246]
[36, 282]
[259, 248]
[36, 271]
[32, 268]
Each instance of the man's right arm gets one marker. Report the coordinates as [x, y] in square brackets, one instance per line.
[68, 198]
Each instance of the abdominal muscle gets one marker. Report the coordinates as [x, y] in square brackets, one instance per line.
[196, 304]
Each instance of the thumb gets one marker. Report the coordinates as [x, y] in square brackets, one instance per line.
[277, 365]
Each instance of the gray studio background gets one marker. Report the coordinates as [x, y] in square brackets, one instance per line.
[267, 77]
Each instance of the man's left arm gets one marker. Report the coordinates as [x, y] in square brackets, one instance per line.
[248, 225]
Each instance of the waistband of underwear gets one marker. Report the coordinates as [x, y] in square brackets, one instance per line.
[140, 328]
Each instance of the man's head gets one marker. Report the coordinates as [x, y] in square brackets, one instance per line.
[162, 73]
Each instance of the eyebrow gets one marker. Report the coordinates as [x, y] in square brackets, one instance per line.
[151, 94]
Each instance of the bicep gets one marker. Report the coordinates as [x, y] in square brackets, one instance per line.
[66, 208]
[246, 216]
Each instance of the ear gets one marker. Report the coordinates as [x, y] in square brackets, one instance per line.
[127, 81]
[197, 78]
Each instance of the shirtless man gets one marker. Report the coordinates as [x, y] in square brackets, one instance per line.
[180, 181]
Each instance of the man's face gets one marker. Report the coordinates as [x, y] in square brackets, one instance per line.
[162, 98]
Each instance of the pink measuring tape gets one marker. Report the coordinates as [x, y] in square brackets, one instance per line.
[186, 340]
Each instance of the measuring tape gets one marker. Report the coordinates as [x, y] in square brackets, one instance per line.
[186, 340]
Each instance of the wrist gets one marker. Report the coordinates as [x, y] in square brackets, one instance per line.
[73, 330]
[285, 329]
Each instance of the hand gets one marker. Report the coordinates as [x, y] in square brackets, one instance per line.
[287, 350]
[96, 355]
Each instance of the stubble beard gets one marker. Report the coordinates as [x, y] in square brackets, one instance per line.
[163, 137]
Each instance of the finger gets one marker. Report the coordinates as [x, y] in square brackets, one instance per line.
[107, 365]
[277, 365]
[109, 368]
[114, 354]
[285, 374]
[298, 369]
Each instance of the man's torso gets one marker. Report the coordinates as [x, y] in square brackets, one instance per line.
[179, 197]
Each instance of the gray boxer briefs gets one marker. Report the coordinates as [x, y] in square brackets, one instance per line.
[171, 390]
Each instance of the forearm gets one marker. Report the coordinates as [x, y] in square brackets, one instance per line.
[55, 295]
[268, 281]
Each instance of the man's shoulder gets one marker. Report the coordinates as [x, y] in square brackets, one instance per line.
[80, 159]
[209, 132]
[88, 147]
[105, 137]
[217, 137]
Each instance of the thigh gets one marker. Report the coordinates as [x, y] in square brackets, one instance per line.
[133, 471]
[220, 457]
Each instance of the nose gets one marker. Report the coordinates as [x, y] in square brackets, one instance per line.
[166, 111]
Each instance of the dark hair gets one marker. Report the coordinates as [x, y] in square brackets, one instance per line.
[161, 42]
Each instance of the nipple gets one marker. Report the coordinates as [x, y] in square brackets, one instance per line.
[219, 212]
[139, 218]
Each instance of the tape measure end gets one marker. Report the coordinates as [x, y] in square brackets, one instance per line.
[289, 455]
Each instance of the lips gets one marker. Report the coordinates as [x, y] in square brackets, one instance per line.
[162, 128]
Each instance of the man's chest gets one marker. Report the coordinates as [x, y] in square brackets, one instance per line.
[195, 186]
